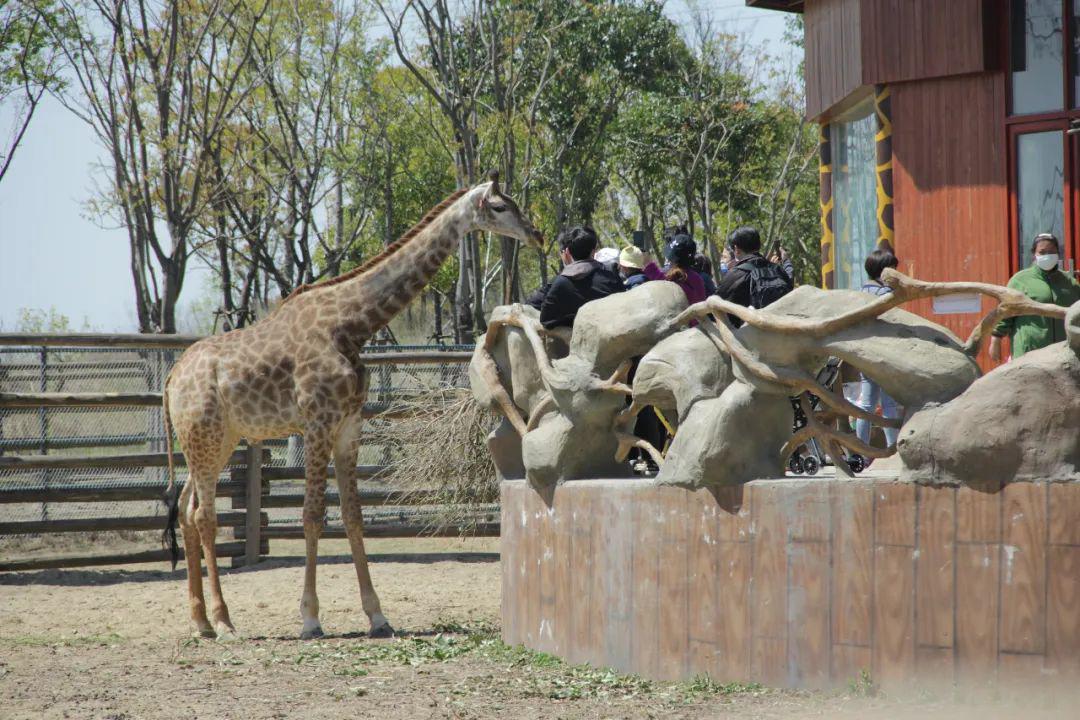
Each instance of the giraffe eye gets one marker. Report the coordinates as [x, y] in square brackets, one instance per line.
[497, 208]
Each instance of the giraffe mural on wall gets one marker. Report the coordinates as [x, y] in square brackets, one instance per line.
[300, 371]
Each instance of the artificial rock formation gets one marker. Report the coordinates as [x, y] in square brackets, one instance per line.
[729, 391]
[1019, 422]
[565, 411]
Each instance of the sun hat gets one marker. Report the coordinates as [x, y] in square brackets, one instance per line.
[632, 256]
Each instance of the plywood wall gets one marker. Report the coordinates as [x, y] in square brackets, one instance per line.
[802, 584]
[950, 190]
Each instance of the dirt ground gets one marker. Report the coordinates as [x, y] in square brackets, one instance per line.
[116, 643]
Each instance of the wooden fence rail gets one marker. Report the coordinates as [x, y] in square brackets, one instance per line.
[247, 484]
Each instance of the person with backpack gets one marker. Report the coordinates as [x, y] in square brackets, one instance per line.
[753, 281]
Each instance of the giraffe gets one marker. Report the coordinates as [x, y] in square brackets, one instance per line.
[300, 370]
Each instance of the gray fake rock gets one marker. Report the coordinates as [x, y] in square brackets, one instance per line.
[681, 370]
[575, 437]
[516, 362]
[914, 360]
[577, 440]
[731, 439]
[624, 325]
[504, 444]
[1019, 422]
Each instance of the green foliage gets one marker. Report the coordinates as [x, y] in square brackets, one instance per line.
[36, 320]
[335, 141]
[862, 685]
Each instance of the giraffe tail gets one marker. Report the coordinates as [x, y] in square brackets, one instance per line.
[172, 491]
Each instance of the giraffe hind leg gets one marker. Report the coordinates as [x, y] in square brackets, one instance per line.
[193, 558]
[205, 465]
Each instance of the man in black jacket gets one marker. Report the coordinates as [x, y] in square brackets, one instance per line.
[752, 280]
[583, 279]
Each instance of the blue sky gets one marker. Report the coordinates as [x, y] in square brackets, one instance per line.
[52, 255]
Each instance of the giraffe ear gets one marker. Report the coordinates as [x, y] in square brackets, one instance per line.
[493, 176]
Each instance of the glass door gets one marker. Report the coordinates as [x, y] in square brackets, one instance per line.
[1046, 188]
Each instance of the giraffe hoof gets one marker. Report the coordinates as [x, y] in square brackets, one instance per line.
[381, 631]
[207, 632]
[313, 633]
[227, 633]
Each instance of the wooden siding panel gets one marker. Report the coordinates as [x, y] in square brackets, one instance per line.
[950, 200]
[833, 53]
[977, 572]
[934, 567]
[912, 40]
[673, 621]
[1023, 568]
[894, 614]
[852, 551]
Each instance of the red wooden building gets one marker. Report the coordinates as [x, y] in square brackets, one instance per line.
[946, 127]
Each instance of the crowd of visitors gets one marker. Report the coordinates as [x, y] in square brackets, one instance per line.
[750, 279]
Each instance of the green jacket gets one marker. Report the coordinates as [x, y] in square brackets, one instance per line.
[1031, 332]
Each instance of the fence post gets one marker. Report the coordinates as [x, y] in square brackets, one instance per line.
[252, 520]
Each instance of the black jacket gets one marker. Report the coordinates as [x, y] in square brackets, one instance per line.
[735, 287]
[578, 283]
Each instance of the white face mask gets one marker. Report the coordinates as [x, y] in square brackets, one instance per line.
[1046, 262]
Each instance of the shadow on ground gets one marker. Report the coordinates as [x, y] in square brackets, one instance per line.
[76, 577]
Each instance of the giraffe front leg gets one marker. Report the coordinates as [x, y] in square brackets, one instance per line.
[348, 443]
[317, 447]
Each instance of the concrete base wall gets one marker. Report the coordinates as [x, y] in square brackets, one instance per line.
[796, 583]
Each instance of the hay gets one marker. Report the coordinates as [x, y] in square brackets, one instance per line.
[444, 456]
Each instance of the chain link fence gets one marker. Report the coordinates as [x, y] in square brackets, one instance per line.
[94, 431]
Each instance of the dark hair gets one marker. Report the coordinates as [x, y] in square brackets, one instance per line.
[745, 239]
[702, 264]
[581, 241]
[1045, 237]
[877, 261]
[680, 250]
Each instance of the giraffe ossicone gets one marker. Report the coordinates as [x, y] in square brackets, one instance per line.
[300, 370]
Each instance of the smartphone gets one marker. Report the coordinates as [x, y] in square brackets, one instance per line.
[639, 239]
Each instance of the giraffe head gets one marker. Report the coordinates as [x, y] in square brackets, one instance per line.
[499, 214]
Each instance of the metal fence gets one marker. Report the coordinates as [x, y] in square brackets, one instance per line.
[31, 430]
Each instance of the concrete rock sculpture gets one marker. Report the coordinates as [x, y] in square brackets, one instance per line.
[572, 403]
[1019, 422]
[729, 391]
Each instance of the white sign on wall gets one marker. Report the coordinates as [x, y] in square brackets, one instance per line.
[959, 304]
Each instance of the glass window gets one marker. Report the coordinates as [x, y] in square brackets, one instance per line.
[1037, 56]
[1074, 51]
[855, 198]
[1040, 195]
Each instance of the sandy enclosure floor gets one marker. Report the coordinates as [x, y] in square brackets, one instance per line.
[116, 643]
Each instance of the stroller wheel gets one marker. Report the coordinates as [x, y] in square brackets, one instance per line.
[795, 465]
[857, 463]
[810, 465]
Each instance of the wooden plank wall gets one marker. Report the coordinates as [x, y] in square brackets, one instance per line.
[905, 40]
[949, 183]
[833, 53]
[800, 584]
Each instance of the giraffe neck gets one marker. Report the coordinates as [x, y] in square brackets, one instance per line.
[366, 303]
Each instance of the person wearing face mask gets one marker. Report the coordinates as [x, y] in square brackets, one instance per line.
[1043, 282]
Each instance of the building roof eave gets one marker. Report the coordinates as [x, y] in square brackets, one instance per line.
[795, 6]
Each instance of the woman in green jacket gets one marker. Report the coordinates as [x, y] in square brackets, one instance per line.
[1043, 282]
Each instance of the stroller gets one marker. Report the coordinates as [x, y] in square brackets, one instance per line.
[810, 457]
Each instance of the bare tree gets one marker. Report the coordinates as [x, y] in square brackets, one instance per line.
[29, 67]
[452, 66]
[158, 83]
